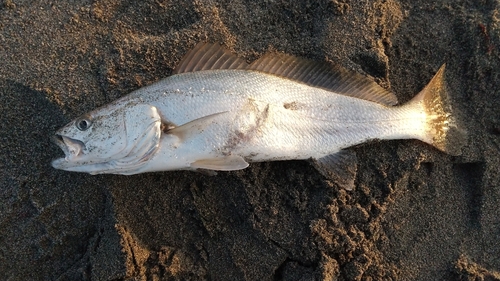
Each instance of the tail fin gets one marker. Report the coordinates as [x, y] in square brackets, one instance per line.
[441, 130]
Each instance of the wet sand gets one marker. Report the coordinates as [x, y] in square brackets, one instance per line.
[415, 214]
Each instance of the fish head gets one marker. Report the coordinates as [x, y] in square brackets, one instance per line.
[118, 138]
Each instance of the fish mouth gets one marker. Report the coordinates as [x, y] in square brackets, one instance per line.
[72, 149]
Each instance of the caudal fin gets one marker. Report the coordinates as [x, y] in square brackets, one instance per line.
[441, 128]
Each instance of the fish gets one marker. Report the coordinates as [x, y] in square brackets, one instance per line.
[217, 112]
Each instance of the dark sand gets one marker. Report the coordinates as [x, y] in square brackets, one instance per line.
[415, 214]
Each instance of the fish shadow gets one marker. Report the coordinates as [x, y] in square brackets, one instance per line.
[47, 215]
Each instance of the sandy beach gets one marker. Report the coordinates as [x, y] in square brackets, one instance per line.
[415, 213]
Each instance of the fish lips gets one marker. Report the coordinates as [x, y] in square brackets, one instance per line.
[72, 149]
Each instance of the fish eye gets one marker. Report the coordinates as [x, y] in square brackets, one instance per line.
[83, 123]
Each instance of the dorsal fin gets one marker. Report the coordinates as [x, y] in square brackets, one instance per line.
[324, 75]
[208, 56]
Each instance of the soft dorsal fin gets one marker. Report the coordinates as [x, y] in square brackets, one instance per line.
[208, 56]
[324, 75]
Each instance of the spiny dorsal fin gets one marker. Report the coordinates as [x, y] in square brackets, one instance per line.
[208, 56]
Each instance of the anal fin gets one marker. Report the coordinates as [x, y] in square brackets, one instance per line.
[340, 167]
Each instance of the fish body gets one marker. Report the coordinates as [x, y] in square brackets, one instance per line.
[221, 118]
[266, 118]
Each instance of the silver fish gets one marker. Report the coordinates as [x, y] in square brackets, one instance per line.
[217, 113]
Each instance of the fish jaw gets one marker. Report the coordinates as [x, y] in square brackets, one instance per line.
[72, 149]
[74, 159]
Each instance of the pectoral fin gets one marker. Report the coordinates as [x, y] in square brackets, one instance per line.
[340, 167]
[227, 163]
[194, 127]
